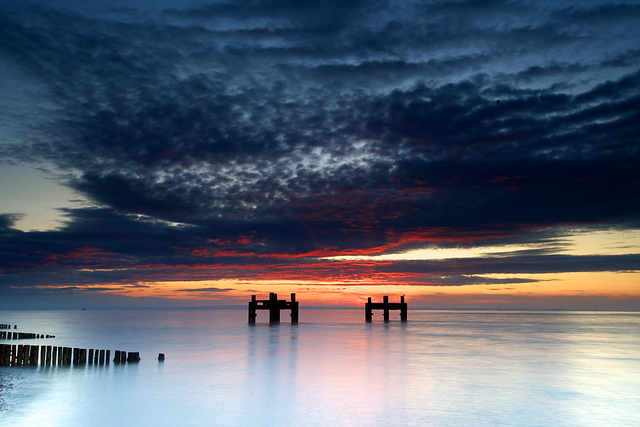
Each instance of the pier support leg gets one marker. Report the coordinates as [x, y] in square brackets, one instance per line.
[294, 309]
[385, 301]
[252, 309]
[274, 310]
[403, 310]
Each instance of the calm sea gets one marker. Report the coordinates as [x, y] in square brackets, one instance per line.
[441, 368]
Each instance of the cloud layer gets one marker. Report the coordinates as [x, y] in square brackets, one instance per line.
[250, 136]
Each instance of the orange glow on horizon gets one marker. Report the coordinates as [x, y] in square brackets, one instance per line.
[549, 290]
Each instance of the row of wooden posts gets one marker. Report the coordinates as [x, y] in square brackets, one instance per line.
[274, 305]
[23, 335]
[7, 326]
[24, 355]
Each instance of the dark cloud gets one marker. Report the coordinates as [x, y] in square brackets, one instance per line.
[235, 132]
[7, 221]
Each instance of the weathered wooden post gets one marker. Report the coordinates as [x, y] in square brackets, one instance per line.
[24, 355]
[96, 356]
[134, 357]
[66, 356]
[90, 356]
[403, 309]
[54, 355]
[294, 309]
[274, 310]
[101, 360]
[368, 311]
[43, 355]
[33, 356]
[83, 356]
[106, 359]
[7, 354]
[385, 309]
[59, 356]
[252, 309]
[49, 354]
[116, 357]
[161, 357]
[19, 355]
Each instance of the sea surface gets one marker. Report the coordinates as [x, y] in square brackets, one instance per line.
[441, 368]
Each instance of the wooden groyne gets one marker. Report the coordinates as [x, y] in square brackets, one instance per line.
[274, 305]
[47, 355]
[7, 335]
[386, 306]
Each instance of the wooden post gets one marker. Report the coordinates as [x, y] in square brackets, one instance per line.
[106, 360]
[24, 355]
[66, 356]
[14, 350]
[90, 356]
[54, 355]
[96, 356]
[60, 356]
[7, 355]
[134, 357]
[274, 310]
[116, 358]
[161, 357]
[48, 355]
[385, 301]
[403, 309]
[368, 311]
[83, 357]
[294, 309]
[101, 360]
[252, 309]
[19, 355]
[33, 356]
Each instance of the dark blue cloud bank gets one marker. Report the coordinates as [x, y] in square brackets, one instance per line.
[282, 128]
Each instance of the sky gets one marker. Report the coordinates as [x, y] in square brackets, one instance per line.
[465, 154]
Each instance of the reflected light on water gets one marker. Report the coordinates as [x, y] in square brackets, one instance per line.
[440, 368]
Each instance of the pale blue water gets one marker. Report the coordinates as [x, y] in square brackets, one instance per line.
[442, 368]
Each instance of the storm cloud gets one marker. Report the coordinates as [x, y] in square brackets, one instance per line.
[265, 135]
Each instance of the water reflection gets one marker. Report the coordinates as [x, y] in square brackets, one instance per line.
[439, 368]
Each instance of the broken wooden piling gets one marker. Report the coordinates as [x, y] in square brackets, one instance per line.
[385, 305]
[274, 305]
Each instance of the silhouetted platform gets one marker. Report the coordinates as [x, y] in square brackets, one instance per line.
[385, 306]
[274, 305]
